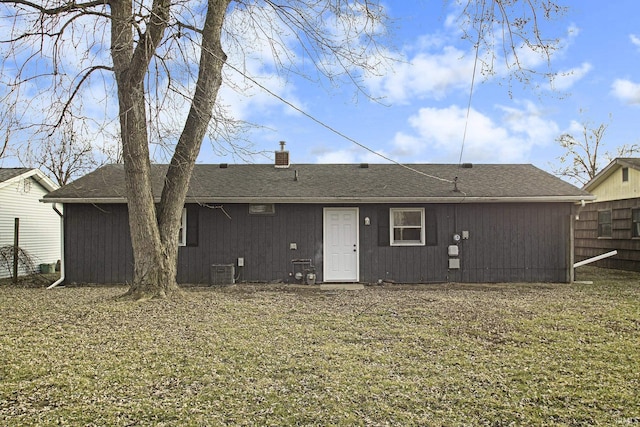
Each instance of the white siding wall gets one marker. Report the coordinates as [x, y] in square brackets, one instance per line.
[39, 223]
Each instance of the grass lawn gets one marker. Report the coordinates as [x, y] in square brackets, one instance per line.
[451, 354]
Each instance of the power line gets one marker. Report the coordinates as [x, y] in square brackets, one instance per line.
[473, 80]
[326, 126]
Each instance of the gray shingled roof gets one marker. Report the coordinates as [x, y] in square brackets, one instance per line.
[320, 183]
[8, 173]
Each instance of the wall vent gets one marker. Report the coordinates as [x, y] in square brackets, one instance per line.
[262, 209]
[222, 274]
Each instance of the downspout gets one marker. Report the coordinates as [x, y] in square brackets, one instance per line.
[61, 279]
[575, 215]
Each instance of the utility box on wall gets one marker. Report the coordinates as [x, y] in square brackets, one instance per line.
[222, 274]
[454, 262]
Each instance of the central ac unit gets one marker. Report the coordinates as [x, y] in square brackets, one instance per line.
[222, 274]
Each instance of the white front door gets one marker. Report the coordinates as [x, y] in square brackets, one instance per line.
[340, 248]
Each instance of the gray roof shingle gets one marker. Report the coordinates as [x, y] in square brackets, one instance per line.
[8, 173]
[318, 183]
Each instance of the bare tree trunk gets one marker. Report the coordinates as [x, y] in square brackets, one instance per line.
[154, 236]
[212, 59]
[150, 276]
[150, 264]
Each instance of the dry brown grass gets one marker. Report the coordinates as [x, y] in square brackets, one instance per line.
[501, 354]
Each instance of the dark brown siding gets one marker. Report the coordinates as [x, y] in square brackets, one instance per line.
[587, 243]
[507, 242]
[404, 264]
[228, 232]
[97, 246]
[514, 242]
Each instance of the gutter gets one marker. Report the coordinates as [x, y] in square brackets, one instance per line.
[61, 279]
[348, 199]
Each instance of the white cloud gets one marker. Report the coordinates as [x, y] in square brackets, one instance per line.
[350, 155]
[626, 91]
[426, 75]
[407, 145]
[563, 80]
[245, 100]
[635, 40]
[529, 122]
[575, 128]
[339, 156]
[438, 134]
[253, 60]
[572, 32]
[437, 66]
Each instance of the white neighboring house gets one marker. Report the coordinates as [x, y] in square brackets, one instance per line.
[39, 226]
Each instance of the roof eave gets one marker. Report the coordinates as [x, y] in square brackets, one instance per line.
[608, 171]
[78, 200]
[37, 175]
[388, 200]
[361, 200]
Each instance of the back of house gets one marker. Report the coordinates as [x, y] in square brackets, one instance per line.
[328, 223]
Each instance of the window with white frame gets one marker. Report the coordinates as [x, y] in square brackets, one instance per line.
[407, 226]
[182, 234]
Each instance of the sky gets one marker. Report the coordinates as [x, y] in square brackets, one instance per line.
[421, 108]
[423, 102]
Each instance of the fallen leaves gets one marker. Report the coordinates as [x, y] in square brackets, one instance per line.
[272, 355]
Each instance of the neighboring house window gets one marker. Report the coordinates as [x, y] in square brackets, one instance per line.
[635, 222]
[625, 174]
[182, 234]
[406, 226]
[604, 224]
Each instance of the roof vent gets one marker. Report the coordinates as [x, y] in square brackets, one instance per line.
[466, 165]
[282, 156]
[455, 185]
[223, 165]
[364, 165]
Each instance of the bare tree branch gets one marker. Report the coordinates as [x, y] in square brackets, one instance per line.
[509, 26]
[582, 160]
[84, 77]
[65, 155]
[66, 7]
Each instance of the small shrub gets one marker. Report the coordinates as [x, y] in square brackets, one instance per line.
[26, 263]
